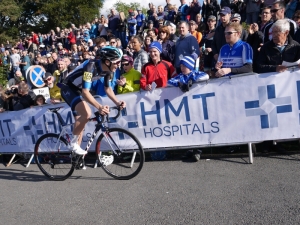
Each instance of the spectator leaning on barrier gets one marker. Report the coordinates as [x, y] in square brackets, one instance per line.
[236, 56]
[281, 48]
[188, 76]
[156, 72]
[54, 90]
[219, 37]
[39, 100]
[24, 98]
[186, 45]
[130, 80]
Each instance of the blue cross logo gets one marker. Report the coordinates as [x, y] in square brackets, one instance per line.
[268, 106]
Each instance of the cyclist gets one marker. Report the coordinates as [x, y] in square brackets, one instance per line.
[75, 90]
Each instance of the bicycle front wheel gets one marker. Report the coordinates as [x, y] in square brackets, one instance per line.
[53, 157]
[120, 153]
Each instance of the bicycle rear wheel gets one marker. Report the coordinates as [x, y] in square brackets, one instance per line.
[53, 157]
[120, 153]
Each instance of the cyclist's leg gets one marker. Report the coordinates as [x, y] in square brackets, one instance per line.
[83, 114]
[80, 110]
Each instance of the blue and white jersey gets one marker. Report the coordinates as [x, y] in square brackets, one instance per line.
[131, 26]
[236, 56]
[140, 18]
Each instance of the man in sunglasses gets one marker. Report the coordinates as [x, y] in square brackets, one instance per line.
[54, 91]
[277, 13]
[236, 56]
[75, 90]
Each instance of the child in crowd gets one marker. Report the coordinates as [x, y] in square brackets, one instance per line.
[188, 75]
[39, 100]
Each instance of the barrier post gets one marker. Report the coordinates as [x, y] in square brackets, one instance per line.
[250, 153]
[29, 161]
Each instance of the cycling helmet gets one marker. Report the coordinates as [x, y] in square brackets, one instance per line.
[110, 53]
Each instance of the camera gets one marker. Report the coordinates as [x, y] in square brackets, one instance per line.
[11, 91]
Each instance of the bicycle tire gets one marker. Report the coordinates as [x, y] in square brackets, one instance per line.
[128, 162]
[54, 162]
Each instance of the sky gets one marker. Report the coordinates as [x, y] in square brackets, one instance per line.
[109, 3]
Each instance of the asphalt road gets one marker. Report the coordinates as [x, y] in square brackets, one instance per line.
[215, 191]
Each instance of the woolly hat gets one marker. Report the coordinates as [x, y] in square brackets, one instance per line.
[156, 45]
[188, 62]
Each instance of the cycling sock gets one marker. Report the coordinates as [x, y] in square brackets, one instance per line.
[74, 139]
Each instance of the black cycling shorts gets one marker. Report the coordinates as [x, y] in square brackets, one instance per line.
[72, 97]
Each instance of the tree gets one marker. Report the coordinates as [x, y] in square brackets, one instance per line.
[124, 7]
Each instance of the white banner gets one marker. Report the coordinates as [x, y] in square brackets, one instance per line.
[239, 109]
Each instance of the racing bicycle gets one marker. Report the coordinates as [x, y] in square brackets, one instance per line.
[118, 152]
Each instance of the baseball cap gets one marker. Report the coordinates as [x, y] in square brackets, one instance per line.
[225, 10]
[47, 75]
[236, 16]
[211, 17]
[127, 58]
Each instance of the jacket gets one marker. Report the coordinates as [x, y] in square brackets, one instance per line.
[132, 82]
[270, 57]
[156, 73]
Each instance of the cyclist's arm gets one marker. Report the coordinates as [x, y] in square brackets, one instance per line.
[90, 99]
[110, 93]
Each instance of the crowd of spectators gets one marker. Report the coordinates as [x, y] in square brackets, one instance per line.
[157, 46]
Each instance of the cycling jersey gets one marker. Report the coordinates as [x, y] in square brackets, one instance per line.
[82, 77]
[86, 73]
[235, 56]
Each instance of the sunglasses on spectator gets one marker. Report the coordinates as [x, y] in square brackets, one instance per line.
[48, 79]
[296, 17]
[230, 32]
[125, 64]
[274, 10]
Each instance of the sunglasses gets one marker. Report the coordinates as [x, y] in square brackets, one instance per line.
[296, 17]
[48, 79]
[230, 32]
[116, 63]
[275, 10]
[125, 64]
